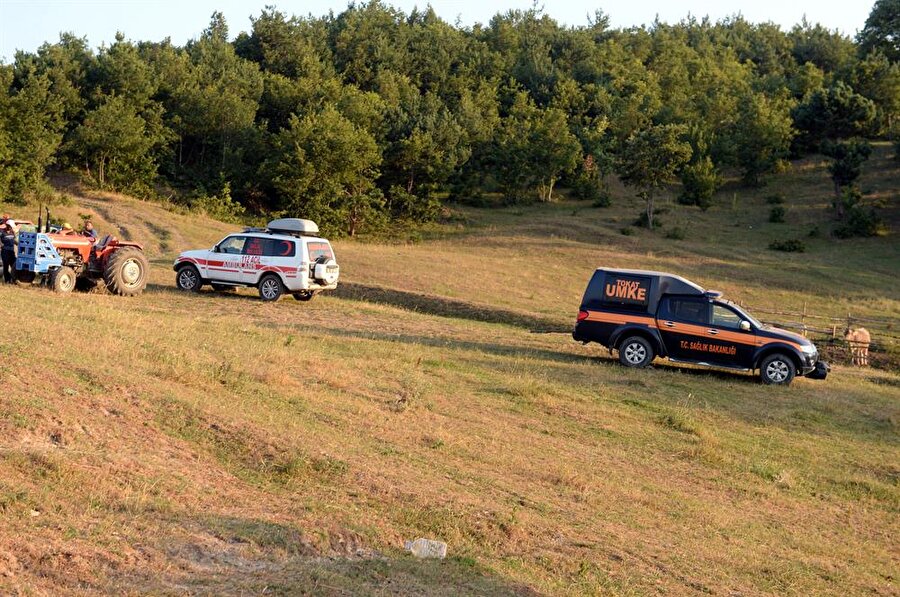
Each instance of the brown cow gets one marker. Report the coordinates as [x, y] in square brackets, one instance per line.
[858, 340]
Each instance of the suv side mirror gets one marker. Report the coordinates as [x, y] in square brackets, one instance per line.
[745, 325]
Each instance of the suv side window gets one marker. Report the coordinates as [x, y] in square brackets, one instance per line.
[275, 247]
[724, 317]
[688, 310]
[254, 246]
[233, 245]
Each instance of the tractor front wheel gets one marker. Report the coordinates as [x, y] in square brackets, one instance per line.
[62, 279]
[24, 276]
[126, 272]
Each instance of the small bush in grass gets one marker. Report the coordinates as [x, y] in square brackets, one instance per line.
[793, 245]
[861, 222]
[816, 232]
[602, 200]
[676, 233]
[679, 421]
[627, 231]
[776, 199]
[642, 221]
[221, 206]
[776, 214]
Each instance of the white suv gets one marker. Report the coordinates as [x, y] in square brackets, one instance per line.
[282, 257]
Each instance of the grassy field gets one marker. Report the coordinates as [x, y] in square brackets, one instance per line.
[213, 444]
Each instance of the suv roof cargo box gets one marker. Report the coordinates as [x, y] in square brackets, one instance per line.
[293, 226]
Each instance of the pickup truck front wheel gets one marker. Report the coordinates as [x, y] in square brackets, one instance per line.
[636, 352]
[777, 369]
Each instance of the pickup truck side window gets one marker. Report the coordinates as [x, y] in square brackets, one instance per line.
[723, 317]
[688, 310]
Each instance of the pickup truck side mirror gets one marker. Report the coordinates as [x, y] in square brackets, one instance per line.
[745, 326]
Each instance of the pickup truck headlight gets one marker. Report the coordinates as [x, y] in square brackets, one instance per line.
[808, 350]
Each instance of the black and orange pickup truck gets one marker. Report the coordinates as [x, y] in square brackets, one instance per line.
[645, 314]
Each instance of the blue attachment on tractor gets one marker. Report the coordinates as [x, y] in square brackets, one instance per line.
[37, 253]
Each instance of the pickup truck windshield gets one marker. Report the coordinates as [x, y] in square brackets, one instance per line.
[756, 323]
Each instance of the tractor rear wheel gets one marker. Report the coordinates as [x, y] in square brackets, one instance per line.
[126, 272]
[62, 279]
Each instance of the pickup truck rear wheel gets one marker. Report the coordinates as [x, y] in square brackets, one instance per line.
[635, 351]
[777, 369]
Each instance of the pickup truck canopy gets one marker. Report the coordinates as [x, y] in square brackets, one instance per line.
[635, 290]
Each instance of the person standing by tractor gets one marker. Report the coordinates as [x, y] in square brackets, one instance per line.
[8, 249]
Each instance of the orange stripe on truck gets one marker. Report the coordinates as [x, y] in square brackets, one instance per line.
[685, 328]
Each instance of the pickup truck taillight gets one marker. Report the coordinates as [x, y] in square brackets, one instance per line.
[582, 315]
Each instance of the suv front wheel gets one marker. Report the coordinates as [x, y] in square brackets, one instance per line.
[777, 369]
[188, 279]
[635, 351]
[270, 287]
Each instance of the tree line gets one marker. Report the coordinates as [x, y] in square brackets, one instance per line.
[370, 115]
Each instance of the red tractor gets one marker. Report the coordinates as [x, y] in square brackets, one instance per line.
[67, 261]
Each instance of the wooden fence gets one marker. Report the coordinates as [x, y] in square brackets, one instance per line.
[830, 331]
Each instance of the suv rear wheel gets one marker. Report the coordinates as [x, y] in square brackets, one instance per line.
[777, 369]
[270, 287]
[635, 351]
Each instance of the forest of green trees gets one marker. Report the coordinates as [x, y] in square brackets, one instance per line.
[371, 115]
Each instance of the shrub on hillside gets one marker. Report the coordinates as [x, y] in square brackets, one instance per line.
[409, 206]
[861, 222]
[220, 207]
[793, 245]
[603, 199]
[699, 182]
[776, 214]
[589, 187]
[676, 233]
[627, 231]
[641, 221]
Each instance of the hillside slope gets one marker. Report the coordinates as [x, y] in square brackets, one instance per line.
[210, 443]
